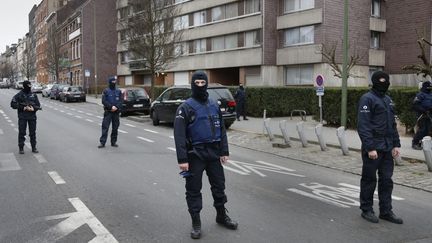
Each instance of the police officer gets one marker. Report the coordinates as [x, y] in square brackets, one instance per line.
[112, 102]
[201, 144]
[240, 97]
[423, 105]
[27, 104]
[380, 144]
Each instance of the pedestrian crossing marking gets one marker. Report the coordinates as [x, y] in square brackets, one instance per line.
[146, 139]
[8, 162]
[244, 168]
[56, 177]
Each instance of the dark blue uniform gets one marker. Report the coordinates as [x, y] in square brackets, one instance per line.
[19, 101]
[240, 97]
[200, 139]
[110, 98]
[423, 105]
[377, 131]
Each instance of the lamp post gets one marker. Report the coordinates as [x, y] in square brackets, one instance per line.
[344, 67]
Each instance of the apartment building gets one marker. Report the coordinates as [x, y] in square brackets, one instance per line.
[88, 39]
[279, 42]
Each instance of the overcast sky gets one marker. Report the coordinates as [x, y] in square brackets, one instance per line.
[14, 20]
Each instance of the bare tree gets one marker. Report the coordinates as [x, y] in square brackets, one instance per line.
[329, 54]
[27, 68]
[53, 63]
[424, 68]
[152, 34]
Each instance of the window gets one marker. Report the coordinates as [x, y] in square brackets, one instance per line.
[231, 41]
[181, 49]
[299, 75]
[376, 8]
[252, 38]
[124, 57]
[218, 43]
[375, 40]
[181, 22]
[297, 5]
[123, 35]
[200, 45]
[217, 14]
[224, 12]
[123, 12]
[199, 18]
[299, 35]
[252, 6]
[224, 42]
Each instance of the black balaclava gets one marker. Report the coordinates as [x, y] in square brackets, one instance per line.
[426, 87]
[112, 82]
[27, 86]
[241, 87]
[199, 92]
[380, 87]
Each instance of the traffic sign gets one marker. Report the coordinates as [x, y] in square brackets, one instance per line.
[319, 80]
[87, 73]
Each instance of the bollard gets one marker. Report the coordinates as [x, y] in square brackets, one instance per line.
[283, 127]
[267, 127]
[264, 117]
[340, 132]
[427, 149]
[300, 130]
[318, 132]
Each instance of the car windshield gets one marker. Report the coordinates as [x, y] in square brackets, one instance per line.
[75, 89]
[219, 94]
[137, 93]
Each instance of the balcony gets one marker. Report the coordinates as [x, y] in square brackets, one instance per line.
[137, 65]
[376, 57]
[378, 25]
[303, 18]
[299, 55]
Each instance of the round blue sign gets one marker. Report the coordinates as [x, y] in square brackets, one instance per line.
[319, 80]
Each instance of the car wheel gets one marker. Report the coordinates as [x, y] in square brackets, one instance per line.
[227, 125]
[84, 100]
[155, 119]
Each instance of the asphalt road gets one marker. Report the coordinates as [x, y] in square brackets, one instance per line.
[74, 192]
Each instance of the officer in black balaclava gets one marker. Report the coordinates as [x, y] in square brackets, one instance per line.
[112, 101]
[422, 104]
[27, 104]
[201, 144]
[240, 97]
[377, 129]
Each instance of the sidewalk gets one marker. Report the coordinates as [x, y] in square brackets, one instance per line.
[256, 125]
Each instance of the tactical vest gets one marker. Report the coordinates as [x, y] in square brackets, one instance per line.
[205, 126]
[113, 96]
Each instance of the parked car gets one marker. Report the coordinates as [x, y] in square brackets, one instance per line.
[4, 83]
[55, 91]
[36, 87]
[72, 93]
[47, 90]
[135, 99]
[165, 106]
[19, 84]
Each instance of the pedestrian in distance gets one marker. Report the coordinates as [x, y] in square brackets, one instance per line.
[422, 104]
[27, 104]
[201, 144]
[380, 144]
[112, 103]
[240, 98]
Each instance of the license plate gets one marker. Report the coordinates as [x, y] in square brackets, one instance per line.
[222, 109]
[77, 96]
[138, 105]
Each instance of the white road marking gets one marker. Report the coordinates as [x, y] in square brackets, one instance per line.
[273, 165]
[171, 148]
[234, 170]
[151, 131]
[40, 158]
[81, 111]
[73, 221]
[62, 111]
[306, 194]
[78, 117]
[171, 137]
[1, 132]
[248, 168]
[100, 117]
[129, 125]
[16, 129]
[12, 125]
[89, 120]
[70, 114]
[121, 131]
[27, 144]
[146, 139]
[8, 162]
[9, 121]
[56, 177]
[73, 109]
[89, 114]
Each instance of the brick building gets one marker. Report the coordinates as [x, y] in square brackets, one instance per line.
[278, 42]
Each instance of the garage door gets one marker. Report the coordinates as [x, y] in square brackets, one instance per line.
[181, 78]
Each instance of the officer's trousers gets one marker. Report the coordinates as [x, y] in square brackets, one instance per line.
[241, 109]
[424, 126]
[216, 178]
[110, 117]
[384, 164]
[22, 127]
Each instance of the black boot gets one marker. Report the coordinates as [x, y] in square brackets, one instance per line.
[196, 226]
[223, 219]
[34, 150]
[21, 150]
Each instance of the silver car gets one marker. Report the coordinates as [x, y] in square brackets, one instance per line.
[47, 90]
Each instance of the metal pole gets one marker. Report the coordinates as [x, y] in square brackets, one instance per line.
[427, 149]
[95, 48]
[320, 107]
[283, 127]
[345, 68]
[267, 126]
[340, 132]
[319, 133]
[302, 136]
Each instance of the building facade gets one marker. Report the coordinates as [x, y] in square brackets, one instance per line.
[279, 42]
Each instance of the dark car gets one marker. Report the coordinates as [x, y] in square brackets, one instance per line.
[72, 93]
[135, 99]
[55, 91]
[165, 106]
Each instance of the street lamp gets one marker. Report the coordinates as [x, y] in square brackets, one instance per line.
[345, 68]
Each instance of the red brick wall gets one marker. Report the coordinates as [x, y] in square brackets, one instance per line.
[404, 18]
[270, 43]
